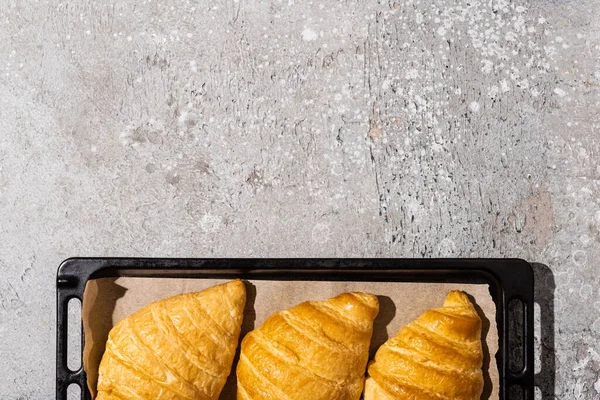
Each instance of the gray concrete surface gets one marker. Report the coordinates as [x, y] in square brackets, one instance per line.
[299, 128]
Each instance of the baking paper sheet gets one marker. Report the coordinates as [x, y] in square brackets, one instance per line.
[108, 300]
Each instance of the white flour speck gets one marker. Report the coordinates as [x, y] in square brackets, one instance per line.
[183, 117]
[308, 35]
[474, 106]
[560, 92]
[487, 66]
[412, 74]
[446, 248]
[579, 258]
[321, 233]
[585, 239]
[210, 223]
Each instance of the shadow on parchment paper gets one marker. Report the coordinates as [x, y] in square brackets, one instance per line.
[544, 289]
[387, 312]
[230, 389]
[103, 295]
[485, 328]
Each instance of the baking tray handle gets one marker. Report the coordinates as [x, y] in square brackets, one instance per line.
[69, 289]
[518, 332]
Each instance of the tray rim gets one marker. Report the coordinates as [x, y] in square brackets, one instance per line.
[508, 279]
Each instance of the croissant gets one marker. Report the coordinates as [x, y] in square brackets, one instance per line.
[317, 350]
[437, 356]
[177, 348]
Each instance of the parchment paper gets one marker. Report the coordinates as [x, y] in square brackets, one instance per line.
[108, 300]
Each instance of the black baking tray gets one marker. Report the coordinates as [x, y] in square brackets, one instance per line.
[510, 282]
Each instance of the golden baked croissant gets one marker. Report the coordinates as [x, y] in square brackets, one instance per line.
[317, 350]
[437, 356]
[177, 348]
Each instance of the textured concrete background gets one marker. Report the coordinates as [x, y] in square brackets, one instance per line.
[298, 128]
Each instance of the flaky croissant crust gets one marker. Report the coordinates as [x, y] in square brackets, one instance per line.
[177, 348]
[437, 356]
[317, 350]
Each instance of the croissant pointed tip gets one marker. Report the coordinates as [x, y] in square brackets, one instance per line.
[357, 305]
[457, 297]
[236, 289]
[236, 284]
[368, 299]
